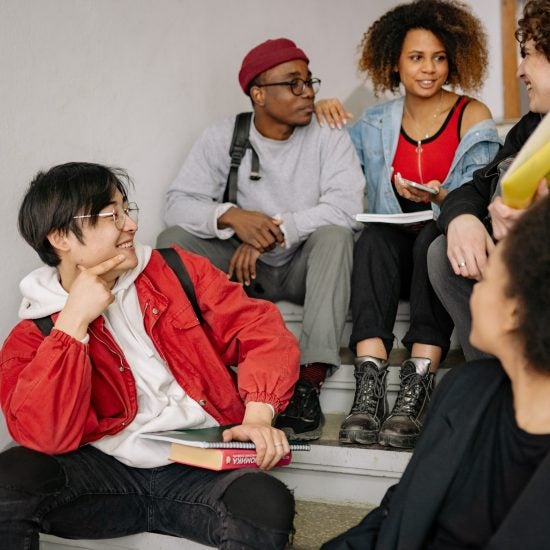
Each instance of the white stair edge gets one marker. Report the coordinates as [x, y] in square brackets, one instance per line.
[140, 541]
[343, 475]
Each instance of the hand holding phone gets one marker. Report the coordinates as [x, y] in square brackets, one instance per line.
[420, 186]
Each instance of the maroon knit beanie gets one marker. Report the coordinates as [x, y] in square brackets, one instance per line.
[266, 55]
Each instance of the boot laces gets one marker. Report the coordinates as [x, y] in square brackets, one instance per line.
[370, 389]
[410, 396]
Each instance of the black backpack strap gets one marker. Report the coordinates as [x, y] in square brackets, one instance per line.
[174, 261]
[237, 150]
[172, 258]
[45, 324]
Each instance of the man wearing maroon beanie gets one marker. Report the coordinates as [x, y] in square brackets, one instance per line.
[289, 233]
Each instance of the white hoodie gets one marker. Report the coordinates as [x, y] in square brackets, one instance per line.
[162, 403]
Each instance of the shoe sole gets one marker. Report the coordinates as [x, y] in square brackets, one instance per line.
[397, 441]
[305, 436]
[357, 437]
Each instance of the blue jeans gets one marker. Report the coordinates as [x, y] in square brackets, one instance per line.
[87, 494]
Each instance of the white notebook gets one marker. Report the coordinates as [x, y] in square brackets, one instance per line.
[404, 219]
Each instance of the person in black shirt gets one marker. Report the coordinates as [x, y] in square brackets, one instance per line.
[480, 474]
[473, 216]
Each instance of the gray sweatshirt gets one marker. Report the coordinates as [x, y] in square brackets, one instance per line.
[310, 180]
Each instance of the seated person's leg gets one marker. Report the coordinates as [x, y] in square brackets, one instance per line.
[28, 479]
[323, 266]
[230, 510]
[382, 257]
[428, 340]
[454, 293]
[82, 494]
[217, 251]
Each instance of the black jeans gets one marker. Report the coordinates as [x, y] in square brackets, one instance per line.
[87, 494]
[389, 264]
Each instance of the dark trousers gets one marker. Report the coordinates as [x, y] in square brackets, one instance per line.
[454, 292]
[389, 264]
[87, 494]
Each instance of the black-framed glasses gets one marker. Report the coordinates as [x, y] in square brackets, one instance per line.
[118, 215]
[296, 85]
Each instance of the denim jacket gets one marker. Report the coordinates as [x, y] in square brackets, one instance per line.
[375, 136]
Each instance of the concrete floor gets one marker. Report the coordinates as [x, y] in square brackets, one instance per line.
[318, 522]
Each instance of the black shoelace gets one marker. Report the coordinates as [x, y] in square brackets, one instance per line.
[370, 389]
[409, 398]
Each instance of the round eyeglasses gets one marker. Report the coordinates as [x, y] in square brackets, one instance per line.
[118, 215]
[296, 85]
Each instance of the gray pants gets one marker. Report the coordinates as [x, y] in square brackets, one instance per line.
[317, 277]
[454, 293]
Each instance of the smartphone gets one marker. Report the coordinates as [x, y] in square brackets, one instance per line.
[420, 186]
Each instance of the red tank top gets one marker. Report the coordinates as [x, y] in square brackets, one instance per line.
[431, 158]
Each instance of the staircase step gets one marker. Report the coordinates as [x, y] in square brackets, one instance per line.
[343, 474]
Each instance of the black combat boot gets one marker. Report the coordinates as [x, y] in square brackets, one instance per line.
[370, 405]
[403, 426]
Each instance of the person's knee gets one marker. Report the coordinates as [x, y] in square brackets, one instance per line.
[261, 499]
[331, 241]
[23, 469]
[332, 235]
[372, 241]
[439, 268]
[175, 235]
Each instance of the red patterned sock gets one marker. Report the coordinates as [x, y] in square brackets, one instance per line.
[315, 373]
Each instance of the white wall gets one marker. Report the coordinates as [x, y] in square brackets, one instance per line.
[132, 83]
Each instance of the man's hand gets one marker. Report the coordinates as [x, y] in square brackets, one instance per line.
[243, 264]
[333, 112]
[254, 228]
[468, 246]
[89, 296]
[503, 218]
[271, 443]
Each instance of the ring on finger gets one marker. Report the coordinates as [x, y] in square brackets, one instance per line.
[462, 263]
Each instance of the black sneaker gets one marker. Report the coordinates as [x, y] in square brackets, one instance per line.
[370, 405]
[402, 427]
[303, 418]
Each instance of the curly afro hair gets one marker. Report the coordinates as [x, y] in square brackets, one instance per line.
[460, 31]
[526, 255]
[535, 24]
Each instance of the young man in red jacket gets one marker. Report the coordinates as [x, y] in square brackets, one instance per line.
[127, 355]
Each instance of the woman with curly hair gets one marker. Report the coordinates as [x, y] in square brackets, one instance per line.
[480, 473]
[430, 135]
[475, 215]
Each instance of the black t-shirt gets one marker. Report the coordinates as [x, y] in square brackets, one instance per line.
[495, 468]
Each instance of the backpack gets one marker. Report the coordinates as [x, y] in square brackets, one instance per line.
[237, 150]
[172, 258]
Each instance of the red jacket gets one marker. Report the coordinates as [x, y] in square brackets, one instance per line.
[57, 393]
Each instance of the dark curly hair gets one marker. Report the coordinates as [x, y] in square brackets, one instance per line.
[460, 31]
[526, 255]
[535, 24]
